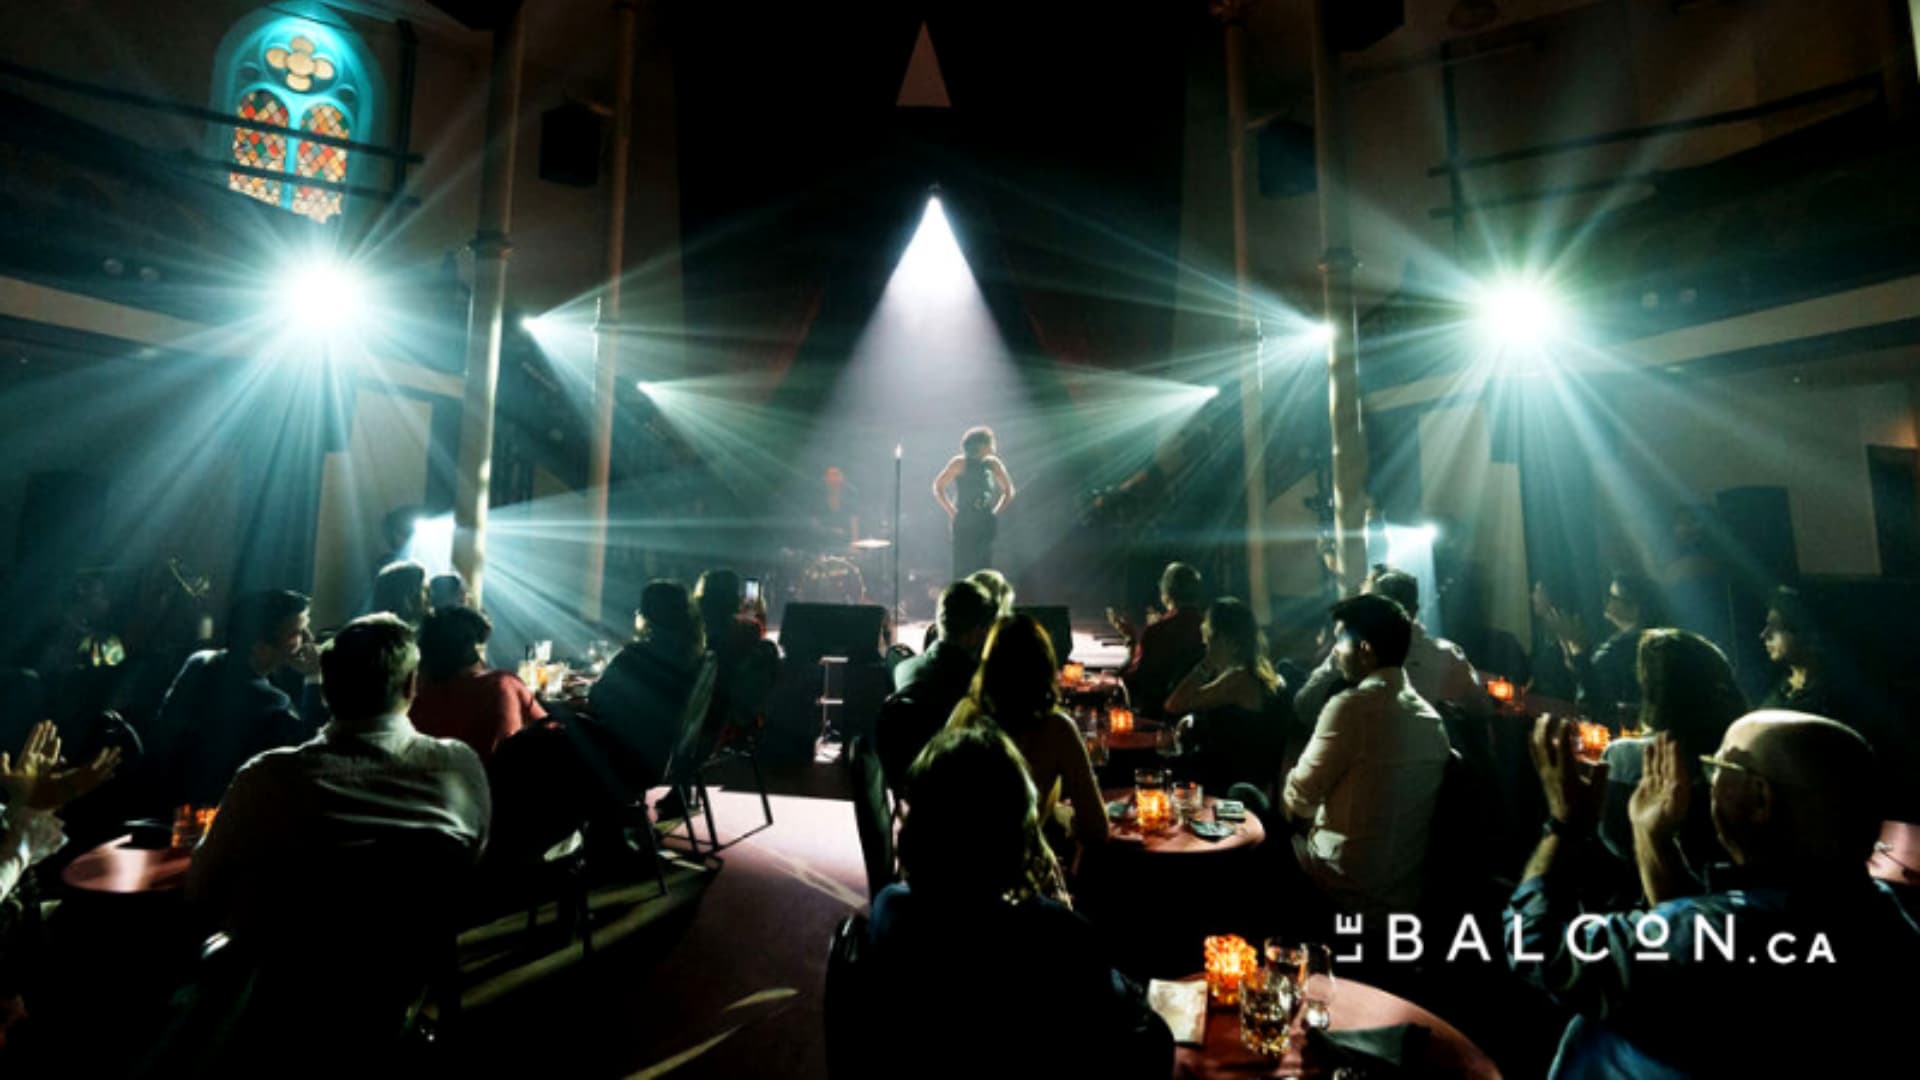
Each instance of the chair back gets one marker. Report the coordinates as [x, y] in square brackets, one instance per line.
[1460, 837]
[696, 736]
[900, 732]
[845, 1007]
[871, 814]
[540, 795]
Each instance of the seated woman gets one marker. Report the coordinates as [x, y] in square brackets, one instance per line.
[640, 700]
[1017, 689]
[956, 952]
[458, 696]
[1686, 688]
[1242, 720]
[400, 589]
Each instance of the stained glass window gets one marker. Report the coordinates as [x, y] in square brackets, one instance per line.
[321, 160]
[259, 149]
[307, 76]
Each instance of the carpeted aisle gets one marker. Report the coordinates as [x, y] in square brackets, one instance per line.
[724, 980]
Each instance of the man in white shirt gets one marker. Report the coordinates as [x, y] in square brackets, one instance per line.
[1437, 668]
[1369, 779]
[367, 785]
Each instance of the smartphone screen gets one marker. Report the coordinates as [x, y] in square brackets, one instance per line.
[752, 586]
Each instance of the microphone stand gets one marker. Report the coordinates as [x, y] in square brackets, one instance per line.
[893, 622]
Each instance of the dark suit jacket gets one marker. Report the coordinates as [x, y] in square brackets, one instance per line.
[930, 685]
[1166, 651]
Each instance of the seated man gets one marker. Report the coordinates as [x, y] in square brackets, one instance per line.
[367, 782]
[1369, 779]
[1437, 668]
[971, 926]
[223, 707]
[1795, 922]
[1170, 646]
[928, 686]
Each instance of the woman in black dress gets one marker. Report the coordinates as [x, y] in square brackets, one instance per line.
[981, 489]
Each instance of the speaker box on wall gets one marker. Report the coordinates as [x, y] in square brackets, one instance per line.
[570, 145]
[61, 519]
[1057, 622]
[811, 631]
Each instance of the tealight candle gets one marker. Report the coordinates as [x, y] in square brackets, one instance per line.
[1072, 672]
[1119, 719]
[1501, 690]
[1229, 960]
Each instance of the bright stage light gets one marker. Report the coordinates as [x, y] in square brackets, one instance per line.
[1519, 313]
[1320, 333]
[533, 324]
[933, 263]
[324, 294]
[431, 544]
[1211, 392]
[648, 388]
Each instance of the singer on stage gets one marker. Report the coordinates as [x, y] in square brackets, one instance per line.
[981, 489]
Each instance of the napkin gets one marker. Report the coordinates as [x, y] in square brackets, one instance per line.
[1183, 1005]
[1380, 1052]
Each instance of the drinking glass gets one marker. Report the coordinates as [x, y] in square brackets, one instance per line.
[1166, 741]
[1269, 999]
[1316, 984]
[1188, 800]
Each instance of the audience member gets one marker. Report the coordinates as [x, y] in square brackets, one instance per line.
[971, 924]
[1369, 779]
[400, 590]
[447, 591]
[1169, 647]
[33, 789]
[928, 686]
[368, 778]
[1548, 662]
[1242, 721]
[1795, 918]
[1793, 641]
[1604, 677]
[998, 587]
[459, 698]
[1436, 668]
[748, 664]
[223, 707]
[78, 634]
[642, 697]
[1018, 689]
[1687, 689]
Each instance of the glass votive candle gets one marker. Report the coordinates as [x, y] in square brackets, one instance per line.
[1593, 740]
[1072, 672]
[1501, 690]
[1152, 799]
[1119, 719]
[1229, 960]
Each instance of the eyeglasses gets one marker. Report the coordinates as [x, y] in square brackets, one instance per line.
[1713, 765]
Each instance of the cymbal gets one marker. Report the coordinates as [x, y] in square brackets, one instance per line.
[872, 544]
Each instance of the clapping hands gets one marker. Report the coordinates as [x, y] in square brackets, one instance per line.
[1659, 804]
[40, 780]
[1572, 798]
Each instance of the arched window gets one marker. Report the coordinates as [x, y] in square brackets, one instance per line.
[295, 67]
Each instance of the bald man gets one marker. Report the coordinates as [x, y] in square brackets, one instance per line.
[1789, 962]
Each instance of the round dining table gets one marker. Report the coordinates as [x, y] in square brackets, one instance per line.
[1355, 1006]
[117, 867]
[1181, 840]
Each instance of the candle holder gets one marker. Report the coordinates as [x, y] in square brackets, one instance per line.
[1119, 719]
[1152, 800]
[1502, 690]
[1229, 960]
[1594, 739]
[1073, 673]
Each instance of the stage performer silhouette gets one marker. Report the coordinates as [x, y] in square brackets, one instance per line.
[981, 490]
